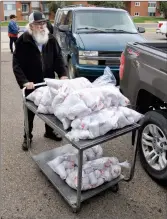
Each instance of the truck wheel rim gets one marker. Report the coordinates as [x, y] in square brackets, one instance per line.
[154, 146]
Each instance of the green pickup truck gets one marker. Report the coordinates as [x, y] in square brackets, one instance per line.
[143, 79]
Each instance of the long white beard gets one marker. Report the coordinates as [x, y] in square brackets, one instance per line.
[40, 37]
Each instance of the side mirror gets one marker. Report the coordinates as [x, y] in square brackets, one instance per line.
[64, 28]
[141, 30]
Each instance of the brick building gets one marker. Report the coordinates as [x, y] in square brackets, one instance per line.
[143, 9]
[1, 11]
[23, 8]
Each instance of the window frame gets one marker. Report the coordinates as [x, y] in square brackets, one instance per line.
[27, 7]
[136, 14]
[13, 7]
[137, 4]
[150, 3]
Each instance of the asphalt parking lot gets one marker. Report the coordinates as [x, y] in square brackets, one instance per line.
[27, 194]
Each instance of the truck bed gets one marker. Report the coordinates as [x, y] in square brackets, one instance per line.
[162, 47]
[145, 72]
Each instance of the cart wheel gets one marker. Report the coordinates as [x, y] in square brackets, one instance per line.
[115, 188]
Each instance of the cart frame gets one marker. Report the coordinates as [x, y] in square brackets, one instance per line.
[74, 198]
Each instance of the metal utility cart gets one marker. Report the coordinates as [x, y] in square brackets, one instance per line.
[73, 197]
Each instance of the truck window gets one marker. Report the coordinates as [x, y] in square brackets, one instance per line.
[104, 19]
[68, 20]
[63, 17]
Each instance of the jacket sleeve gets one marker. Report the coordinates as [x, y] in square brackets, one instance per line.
[59, 64]
[18, 72]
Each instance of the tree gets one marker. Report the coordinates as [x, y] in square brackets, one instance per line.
[53, 6]
[109, 4]
[163, 8]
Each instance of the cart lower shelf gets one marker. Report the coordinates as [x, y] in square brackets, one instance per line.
[69, 194]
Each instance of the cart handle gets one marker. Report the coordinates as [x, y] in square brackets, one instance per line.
[35, 85]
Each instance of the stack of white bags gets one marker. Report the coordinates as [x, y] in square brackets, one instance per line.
[91, 109]
[96, 169]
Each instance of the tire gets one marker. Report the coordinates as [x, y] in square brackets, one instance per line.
[154, 120]
[166, 35]
[71, 70]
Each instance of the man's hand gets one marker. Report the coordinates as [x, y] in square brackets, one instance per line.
[64, 77]
[29, 85]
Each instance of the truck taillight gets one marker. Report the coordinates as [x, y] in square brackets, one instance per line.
[121, 69]
[160, 25]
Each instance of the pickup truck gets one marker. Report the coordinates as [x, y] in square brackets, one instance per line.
[143, 79]
[162, 28]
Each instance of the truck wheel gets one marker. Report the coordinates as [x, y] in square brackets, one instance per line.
[153, 145]
[71, 70]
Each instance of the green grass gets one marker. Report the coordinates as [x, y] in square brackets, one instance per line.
[20, 23]
[147, 19]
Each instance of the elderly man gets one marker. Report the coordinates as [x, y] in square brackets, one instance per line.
[37, 56]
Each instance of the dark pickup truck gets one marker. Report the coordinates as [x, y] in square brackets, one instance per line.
[143, 79]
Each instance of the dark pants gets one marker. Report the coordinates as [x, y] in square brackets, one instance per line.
[31, 116]
[12, 40]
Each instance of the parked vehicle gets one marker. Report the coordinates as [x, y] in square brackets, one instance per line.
[143, 79]
[162, 28]
[92, 38]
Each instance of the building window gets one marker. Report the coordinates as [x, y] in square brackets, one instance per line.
[45, 7]
[152, 14]
[9, 7]
[152, 5]
[136, 13]
[137, 3]
[25, 8]
[7, 18]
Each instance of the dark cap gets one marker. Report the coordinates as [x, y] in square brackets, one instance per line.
[36, 16]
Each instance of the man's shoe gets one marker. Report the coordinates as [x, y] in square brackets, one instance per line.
[55, 137]
[24, 145]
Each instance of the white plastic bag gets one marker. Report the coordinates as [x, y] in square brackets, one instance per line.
[54, 83]
[45, 102]
[68, 157]
[36, 95]
[99, 123]
[107, 78]
[71, 84]
[83, 102]
[96, 172]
